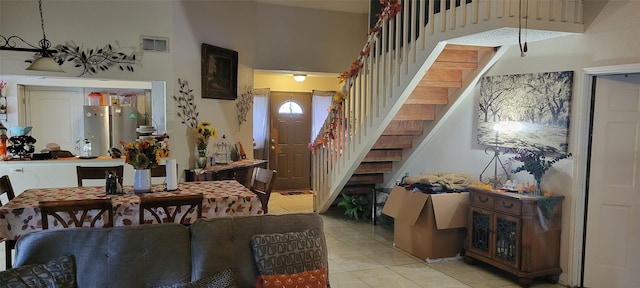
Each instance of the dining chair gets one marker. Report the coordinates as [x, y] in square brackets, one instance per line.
[160, 171]
[6, 190]
[99, 172]
[168, 209]
[77, 212]
[261, 184]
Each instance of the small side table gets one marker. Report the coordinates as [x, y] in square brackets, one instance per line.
[240, 171]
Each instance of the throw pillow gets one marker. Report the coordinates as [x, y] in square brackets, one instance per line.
[222, 279]
[308, 279]
[287, 253]
[60, 272]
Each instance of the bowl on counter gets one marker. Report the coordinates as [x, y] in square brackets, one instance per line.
[19, 130]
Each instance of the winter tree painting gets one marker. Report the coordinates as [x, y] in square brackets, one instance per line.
[526, 110]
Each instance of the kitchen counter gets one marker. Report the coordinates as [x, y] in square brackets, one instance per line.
[61, 172]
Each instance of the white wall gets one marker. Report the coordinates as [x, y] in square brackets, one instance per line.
[330, 41]
[612, 39]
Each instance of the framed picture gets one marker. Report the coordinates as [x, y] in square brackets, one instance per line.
[526, 110]
[219, 72]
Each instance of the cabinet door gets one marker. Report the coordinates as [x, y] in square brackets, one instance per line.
[480, 240]
[507, 240]
[56, 116]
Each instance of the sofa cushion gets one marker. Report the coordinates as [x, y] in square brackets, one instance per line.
[287, 253]
[222, 279]
[127, 256]
[225, 243]
[308, 279]
[59, 272]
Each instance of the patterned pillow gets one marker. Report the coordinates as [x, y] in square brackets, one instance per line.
[60, 272]
[222, 279]
[287, 253]
[307, 279]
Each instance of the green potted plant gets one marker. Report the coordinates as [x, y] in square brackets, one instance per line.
[356, 206]
[536, 162]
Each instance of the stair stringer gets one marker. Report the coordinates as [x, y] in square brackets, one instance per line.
[443, 112]
[374, 129]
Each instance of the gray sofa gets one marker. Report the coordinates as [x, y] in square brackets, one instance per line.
[162, 254]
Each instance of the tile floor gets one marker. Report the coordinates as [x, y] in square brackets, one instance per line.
[362, 255]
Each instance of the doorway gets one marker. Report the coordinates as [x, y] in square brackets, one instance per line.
[290, 131]
[611, 253]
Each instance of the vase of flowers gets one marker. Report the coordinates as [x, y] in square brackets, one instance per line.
[142, 155]
[189, 116]
[536, 163]
[203, 133]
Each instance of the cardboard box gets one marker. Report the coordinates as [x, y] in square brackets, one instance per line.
[428, 226]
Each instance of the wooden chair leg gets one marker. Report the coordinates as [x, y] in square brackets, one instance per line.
[9, 245]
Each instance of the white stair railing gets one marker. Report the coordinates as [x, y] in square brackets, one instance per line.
[394, 59]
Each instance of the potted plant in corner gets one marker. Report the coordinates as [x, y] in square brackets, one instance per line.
[356, 206]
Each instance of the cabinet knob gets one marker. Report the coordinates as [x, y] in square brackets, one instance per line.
[483, 200]
[504, 204]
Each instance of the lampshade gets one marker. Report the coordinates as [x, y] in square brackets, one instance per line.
[299, 77]
[45, 64]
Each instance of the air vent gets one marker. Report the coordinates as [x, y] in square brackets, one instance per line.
[156, 44]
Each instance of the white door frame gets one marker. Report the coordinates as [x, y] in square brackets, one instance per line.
[582, 124]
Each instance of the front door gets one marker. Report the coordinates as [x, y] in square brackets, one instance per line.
[612, 254]
[290, 134]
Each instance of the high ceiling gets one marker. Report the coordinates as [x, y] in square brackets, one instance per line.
[352, 6]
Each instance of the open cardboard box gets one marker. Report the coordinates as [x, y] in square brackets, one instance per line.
[428, 226]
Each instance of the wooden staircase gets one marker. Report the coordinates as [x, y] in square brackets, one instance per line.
[445, 75]
[410, 76]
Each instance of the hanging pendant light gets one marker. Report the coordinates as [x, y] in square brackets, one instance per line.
[46, 63]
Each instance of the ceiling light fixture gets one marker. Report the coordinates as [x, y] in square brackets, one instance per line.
[46, 62]
[299, 77]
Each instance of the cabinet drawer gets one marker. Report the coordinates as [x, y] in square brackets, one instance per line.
[481, 200]
[510, 206]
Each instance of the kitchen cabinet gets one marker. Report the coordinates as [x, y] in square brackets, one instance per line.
[517, 233]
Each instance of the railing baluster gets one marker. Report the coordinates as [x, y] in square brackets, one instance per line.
[454, 14]
[443, 14]
[464, 14]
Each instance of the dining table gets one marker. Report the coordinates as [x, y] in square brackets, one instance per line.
[220, 199]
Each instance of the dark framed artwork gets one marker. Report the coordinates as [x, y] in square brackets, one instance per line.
[219, 72]
[526, 111]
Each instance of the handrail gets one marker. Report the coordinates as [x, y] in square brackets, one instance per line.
[388, 69]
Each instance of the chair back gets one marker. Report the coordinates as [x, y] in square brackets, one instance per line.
[160, 171]
[76, 212]
[6, 188]
[85, 172]
[168, 209]
[262, 184]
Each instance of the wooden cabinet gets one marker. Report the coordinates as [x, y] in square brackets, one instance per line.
[517, 233]
[240, 171]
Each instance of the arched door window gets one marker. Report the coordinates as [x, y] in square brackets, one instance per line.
[290, 107]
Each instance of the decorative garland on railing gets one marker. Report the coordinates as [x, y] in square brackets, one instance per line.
[390, 9]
